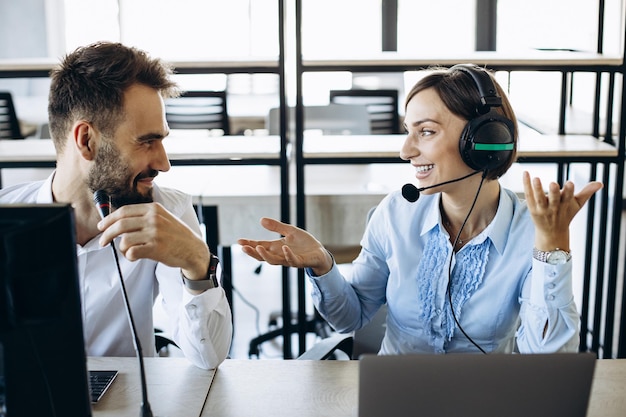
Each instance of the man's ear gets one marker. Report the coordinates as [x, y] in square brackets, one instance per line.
[85, 140]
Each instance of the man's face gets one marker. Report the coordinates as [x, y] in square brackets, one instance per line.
[126, 163]
[113, 174]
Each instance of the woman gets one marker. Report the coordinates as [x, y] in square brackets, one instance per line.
[468, 267]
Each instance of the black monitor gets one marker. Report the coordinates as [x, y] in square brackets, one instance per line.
[43, 364]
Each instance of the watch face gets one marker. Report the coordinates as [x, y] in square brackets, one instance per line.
[557, 257]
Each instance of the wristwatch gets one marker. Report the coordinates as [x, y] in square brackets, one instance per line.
[554, 257]
[208, 282]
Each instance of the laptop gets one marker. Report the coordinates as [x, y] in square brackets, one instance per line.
[512, 385]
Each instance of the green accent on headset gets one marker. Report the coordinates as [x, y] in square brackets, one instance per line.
[493, 146]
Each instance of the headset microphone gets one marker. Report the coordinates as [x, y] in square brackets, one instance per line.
[411, 193]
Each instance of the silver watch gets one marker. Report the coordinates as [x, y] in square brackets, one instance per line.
[554, 257]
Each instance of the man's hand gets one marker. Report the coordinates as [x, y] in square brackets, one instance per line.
[149, 231]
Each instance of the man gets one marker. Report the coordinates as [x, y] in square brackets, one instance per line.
[107, 121]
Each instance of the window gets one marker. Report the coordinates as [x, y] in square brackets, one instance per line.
[562, 24]
[178, 29]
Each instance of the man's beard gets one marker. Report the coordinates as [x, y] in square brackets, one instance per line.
[111, 173]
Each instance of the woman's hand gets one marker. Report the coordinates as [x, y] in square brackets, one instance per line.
[297, 248]
[553, 212]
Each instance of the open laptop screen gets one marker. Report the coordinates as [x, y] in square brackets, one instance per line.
[43, 361]
[512, 385]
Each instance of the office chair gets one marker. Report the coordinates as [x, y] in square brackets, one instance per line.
[9, 124]
[198, 110]
[382, 107]
[162, 342]
[362, 341]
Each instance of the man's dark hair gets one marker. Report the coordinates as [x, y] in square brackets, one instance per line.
[90, 82]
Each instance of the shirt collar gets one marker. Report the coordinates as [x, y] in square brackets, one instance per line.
[497, 230]
[502, 222]
[44, 196]
[433, 216]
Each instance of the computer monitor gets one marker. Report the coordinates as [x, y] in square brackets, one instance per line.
[43, 364]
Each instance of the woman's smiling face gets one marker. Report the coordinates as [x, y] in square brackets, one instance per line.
[432, 143]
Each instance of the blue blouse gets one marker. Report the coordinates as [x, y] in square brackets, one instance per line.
[505, 300]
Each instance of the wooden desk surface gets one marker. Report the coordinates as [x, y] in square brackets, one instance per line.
[531, 59]
[330, 388]
[284, 388]
[182, 148]
[176, 388]
[388, 146]
[40, 67]
[186, 147]
[279, 388]
[525, 59]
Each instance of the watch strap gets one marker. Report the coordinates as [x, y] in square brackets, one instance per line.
[210, 281]
[543, 256]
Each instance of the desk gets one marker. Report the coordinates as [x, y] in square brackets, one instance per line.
[262, 154]
[278, 388]
[184, 148]
[230, 172]
[41, 67]
[386, 148]
[241, 175]
[525, 60]
[330, 388]
[176, 388]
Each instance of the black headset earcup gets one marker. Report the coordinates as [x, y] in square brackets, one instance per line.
[487, 141]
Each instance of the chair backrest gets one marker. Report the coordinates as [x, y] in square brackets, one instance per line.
[368, 338]
[382, 106]
[9, 125]
[198, 110]
[332, 119]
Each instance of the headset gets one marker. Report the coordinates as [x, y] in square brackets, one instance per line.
[488, 139]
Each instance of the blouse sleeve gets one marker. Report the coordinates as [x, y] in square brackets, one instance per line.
[549, 318]
[350, 303]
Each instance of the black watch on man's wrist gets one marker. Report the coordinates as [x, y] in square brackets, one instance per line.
[208, 282]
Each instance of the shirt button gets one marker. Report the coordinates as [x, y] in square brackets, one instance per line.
[202, 340]
[551, 297]
[191, 310]
[438, 311]
[551, 285]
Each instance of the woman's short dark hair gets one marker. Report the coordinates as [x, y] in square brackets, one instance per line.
[90, 82]
[460, 95]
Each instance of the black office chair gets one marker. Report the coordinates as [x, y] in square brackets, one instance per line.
[198, 110]
[382, 106]
[163, 342]
[9, 125]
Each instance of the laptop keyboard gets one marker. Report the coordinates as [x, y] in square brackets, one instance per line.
[99, 382]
